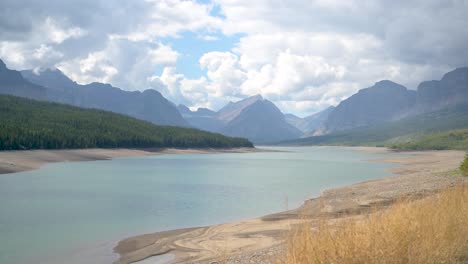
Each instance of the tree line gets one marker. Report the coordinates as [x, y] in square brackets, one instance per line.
[30, 124]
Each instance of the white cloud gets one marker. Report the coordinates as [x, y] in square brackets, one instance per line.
[93, 34]
[291, 73]
[56, 34]
[163, 55]
[224, 73]
[11, 53]
[123, 63]
[209, 38]
[169, 83]
[45, 51]
[41, 49]
[168, 18]
[94, 68]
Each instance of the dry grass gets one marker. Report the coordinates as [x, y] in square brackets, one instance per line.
[432, 230]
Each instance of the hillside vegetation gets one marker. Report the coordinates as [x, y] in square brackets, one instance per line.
[30, 124]
[398, 133]
[453, 139]
[432, 230]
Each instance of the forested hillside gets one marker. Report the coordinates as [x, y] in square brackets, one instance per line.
[30, 124]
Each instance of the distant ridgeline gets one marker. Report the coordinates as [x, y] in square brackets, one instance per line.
[443, 129]
[30, 124]
[387, 114]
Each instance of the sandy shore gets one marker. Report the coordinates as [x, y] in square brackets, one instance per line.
[258, 240]
[24, 160]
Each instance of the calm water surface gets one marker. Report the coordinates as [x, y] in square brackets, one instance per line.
[75, 212]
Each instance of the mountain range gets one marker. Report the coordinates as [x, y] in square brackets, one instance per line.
[384, 101]
[310, 125]
[148, 105]
[255, 118]
[452, 89]
[11, 82]
[387, 101]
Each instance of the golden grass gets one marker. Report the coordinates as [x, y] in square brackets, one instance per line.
[431, 230]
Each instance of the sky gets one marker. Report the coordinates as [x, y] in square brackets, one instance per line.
[304, 55]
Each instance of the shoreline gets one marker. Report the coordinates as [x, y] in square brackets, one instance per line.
[26, 160]
[420, 174]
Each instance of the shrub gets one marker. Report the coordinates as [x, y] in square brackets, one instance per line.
[464, 166]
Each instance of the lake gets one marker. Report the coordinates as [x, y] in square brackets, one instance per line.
[75, 212]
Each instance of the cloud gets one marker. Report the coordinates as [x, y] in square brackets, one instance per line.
[122, 62]
[86, 30]
[56, 34]
[412, 32]
[209, 38]
[303, 54]
[45, 51]
[169, 83]
[224, 73]
[40, 50]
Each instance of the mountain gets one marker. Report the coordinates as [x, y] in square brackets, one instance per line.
[203, 118]
[254, 118]
[148, 105]
[232, 110]
[387, 114]
[31, 124]
[384, 101]
[205, 112]
[387, 101]
[201, 112]
[450, 90]
[314, 124]
[184, 110]
[260, 121]
[51, 78]
[12, 83]
[295, 121]
[310, 125]
[396, 133]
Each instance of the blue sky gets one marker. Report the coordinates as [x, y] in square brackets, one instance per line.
[191, 47]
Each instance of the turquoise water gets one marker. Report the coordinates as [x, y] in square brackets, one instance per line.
[75, 212]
